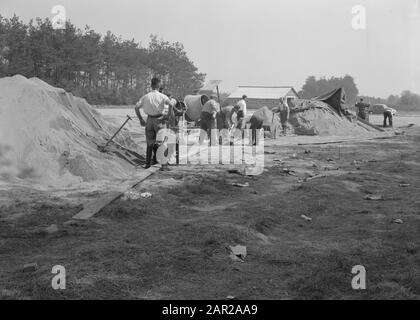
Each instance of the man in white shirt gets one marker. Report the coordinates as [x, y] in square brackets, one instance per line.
[208, 119]
[153, 105]
[241, 104]
[284, 114]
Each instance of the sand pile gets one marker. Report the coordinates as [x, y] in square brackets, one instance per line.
[51, 137]
[312, 117]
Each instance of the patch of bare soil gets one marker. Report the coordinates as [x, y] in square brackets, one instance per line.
[175, 245]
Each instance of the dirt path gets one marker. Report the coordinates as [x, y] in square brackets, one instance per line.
[175, 245]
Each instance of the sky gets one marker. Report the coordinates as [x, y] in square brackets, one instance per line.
[265, 42]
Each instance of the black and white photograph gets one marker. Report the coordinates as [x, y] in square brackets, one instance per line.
[227, 152]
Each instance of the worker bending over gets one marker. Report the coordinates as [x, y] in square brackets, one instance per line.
[154, 105]
[388, 115]
[208, 119]
[224, 121]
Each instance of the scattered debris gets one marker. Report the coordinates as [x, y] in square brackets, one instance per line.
[374, 197]
[398, 221]
[269, 152]
[308, 151]
[240, 185]
[356, 162]
[30, 267]
[71, 223]
[254, 171]
[294, 155]
[404, 185]
[308, 219]
[131, 195]
[230, 298]
[52, 229]
[289, 171]
[249, 171]
[238, 253]
[146, 195]
[330, 160]
[329, 168]
[314, 177]
[135, 195]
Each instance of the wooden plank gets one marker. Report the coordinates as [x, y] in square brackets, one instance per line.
[344, 141]
[93, 207]
[370, 125]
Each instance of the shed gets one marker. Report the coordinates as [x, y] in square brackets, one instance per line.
[260, 96]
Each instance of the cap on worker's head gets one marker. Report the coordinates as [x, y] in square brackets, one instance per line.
[361, 99]
[155, 83]
[244, 97]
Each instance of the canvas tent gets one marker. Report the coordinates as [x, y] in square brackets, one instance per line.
[336, 99]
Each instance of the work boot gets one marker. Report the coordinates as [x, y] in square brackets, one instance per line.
[155, 149]
[149, 152]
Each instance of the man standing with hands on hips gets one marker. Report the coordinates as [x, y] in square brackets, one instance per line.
[153, 105]
[241, 114]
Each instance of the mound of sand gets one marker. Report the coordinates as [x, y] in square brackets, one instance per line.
[312, 117]
[50, 137]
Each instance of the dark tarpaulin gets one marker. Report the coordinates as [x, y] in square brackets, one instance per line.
[336, 99]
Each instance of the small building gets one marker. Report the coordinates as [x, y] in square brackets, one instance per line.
[260, 96]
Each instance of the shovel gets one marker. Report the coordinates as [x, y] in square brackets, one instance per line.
[102, 149]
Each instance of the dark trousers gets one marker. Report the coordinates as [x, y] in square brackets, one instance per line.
[240, 117]
[208, 123]
[153, 125]
[388, 115]
[256, 124]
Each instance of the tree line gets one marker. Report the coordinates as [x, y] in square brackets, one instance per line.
[406, 98]
[315, 87]
[104, 69]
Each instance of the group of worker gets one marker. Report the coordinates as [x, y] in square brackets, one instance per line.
[364, 109]
[215, 118]
[162, 112]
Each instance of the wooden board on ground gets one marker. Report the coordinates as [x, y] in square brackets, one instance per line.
[364, 122]
[93, 207]
[346, 140]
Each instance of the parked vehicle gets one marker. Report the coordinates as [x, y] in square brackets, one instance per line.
[380, 109]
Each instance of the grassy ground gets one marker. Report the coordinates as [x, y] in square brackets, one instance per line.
[175, 245]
